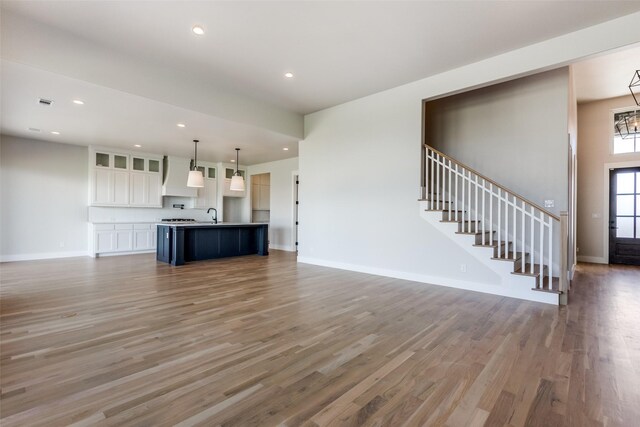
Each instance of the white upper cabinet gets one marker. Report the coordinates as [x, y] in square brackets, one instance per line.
[208, 195]
[227, 183]
[121, 179]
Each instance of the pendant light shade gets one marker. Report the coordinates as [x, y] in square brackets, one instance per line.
[237, 181]
[195, 179]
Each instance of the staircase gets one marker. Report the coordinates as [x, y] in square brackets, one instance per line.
[525, 244]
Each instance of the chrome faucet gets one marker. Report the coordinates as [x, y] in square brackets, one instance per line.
[214, 217]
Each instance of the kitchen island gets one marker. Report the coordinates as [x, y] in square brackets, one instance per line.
[184, 242]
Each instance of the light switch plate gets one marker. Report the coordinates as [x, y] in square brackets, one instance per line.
[549, 203]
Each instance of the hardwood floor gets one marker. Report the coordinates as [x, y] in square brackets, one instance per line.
[263, 341]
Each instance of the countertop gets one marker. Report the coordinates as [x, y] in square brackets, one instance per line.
[210, 224]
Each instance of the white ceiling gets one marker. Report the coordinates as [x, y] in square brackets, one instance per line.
[149, 70]
[606, 76]
[117, 119]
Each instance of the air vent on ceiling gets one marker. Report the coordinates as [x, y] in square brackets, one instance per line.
[46, 102]
[34, 129]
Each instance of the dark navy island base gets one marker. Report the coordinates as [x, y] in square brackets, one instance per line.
[180, 243]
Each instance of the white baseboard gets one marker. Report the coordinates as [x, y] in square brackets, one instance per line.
[593, 259]
[104, 254]
[512, 292]
[287, 248]
[45, 255]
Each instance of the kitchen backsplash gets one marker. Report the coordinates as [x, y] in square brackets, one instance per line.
[107, 214]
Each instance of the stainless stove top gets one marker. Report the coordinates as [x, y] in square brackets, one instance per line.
[178, 220]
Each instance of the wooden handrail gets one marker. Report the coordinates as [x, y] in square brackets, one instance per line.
[557, 218]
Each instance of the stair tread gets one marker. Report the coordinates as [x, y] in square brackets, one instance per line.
[442, 210]
[510, 256]
[493, 244]
[474, 233]
[459, 221]
[536, 269]
[555, 285]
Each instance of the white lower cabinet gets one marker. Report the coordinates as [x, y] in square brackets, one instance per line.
[104, 241]
[123, 238]
[144, 237]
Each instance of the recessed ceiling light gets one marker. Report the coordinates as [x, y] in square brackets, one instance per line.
[233, 160]
[288, 75]
[79, 102]
[286, 149]
[137, 145]
[55, 132]
[197, 30]
[181, 125]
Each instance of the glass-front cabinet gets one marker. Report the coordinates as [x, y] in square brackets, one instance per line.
[125, 179]
[229, 172]
[207, 195]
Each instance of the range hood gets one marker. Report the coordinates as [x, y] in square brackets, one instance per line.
[176, 172]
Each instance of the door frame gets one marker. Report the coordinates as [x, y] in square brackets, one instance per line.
[605, 204]
[295, 175]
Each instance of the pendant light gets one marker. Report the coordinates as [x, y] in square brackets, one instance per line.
[195, 176]
[634, 87]
[237, 182]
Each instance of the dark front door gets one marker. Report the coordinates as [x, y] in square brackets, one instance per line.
[624, 216]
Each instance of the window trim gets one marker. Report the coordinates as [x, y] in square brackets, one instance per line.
[612, 133]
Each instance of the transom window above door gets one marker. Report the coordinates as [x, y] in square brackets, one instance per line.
[626, 132]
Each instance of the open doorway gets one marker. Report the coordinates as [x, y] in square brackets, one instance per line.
[604, 146]
[296, 204]
[261, 197]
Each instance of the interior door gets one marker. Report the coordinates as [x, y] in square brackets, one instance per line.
[624, 216]
[295, 207]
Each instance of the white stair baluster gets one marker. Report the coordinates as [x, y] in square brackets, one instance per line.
[542, 227]
[432, 167]
[514, 235]
[464, 201]
[449, 190]
[550, 263]
[523, 241]
[506, 224]
[475, 188]
[438, 182]
[456, 194]
[482, 218]
[490, 213]
[532, 243]
[468, 229]
[499, 222]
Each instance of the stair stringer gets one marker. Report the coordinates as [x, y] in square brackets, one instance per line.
[511, 285]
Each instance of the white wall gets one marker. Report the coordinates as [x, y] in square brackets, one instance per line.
[43, 198]
[515, 133]
[595, 130]
[281, 216]
[360, 165]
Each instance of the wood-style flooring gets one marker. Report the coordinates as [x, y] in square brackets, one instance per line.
[264, 341]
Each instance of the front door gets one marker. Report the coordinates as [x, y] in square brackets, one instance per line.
[624, 216]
